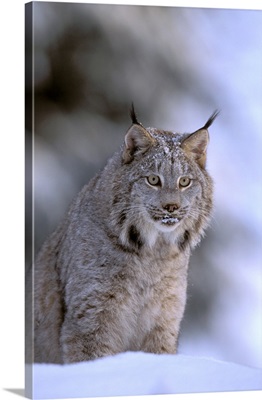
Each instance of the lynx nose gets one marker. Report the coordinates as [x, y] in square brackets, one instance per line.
[171, 207]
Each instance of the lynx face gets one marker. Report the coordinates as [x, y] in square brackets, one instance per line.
[168, 176]
[168, 187]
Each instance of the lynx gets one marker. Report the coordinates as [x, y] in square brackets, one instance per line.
[113, 276]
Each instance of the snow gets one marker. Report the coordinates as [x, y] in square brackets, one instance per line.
[169, 220]
[137, 373]
[166, 150]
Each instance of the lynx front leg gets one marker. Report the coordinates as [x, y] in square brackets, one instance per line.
[94, 332]
[163, 336]
[161, 340]
[83, 346]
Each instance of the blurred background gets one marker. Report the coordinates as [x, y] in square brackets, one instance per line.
[177, 65]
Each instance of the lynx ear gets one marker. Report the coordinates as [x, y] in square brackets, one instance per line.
[195, 146]
[137, 140]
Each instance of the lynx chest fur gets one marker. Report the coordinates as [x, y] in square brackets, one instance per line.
[113, 276]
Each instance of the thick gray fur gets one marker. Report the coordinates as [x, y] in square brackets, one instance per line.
[113, 276]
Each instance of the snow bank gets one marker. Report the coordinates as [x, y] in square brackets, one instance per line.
[137, 373]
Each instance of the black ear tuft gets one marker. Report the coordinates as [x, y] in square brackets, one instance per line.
[133, 115]
[211, 119]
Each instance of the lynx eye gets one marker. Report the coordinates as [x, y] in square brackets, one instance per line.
[153, 180]
[184, 181]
